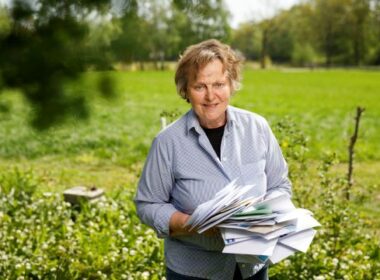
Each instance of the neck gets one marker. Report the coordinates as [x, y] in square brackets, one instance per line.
[213, 124]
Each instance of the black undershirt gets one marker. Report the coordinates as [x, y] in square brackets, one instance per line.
[215, 136]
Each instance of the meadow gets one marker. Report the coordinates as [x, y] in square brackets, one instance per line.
[108, 151]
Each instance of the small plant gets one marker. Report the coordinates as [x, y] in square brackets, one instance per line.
[40, 239]
[345, 246]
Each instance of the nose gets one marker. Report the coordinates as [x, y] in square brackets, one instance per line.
[210, 94]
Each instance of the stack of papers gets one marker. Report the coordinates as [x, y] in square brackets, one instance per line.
[256, 229]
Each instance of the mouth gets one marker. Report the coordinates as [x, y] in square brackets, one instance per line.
[210, 105]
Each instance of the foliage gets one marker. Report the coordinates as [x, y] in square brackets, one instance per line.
[304, 55]
[44, 47]
[343, 32]
[44, 237]
[346, 247]
[247, 39]
[160, 31]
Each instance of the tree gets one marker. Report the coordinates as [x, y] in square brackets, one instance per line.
[246, 38]
[46, 46]
[131, 44]
[375, 33]
[360, 11]
[331, 20]
[197, 20]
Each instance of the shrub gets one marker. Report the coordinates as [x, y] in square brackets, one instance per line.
[45, 238]
[345, 246]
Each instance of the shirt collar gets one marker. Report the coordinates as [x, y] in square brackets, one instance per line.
[193, 123]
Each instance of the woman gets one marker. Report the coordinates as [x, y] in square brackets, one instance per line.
[198, 155]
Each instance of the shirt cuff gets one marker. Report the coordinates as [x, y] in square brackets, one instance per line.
[162, 224]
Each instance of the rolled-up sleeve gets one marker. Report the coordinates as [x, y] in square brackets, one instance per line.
[276, 167]
[153, 194]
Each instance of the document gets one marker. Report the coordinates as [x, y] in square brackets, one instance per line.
[299, 241]
[252, 246]
[280, 252]
[253, 228]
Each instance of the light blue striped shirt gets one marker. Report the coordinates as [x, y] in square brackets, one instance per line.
[182, 171]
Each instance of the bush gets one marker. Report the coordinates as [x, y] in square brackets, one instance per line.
[304, 55]
[45, 238]
[346, 246]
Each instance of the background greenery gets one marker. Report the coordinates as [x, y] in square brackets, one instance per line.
[57, 131]
[45, 44]
[311, 113]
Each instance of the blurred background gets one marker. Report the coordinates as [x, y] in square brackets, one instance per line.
[84, 85]
[45, 43]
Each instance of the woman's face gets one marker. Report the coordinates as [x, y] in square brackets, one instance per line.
[209, 94]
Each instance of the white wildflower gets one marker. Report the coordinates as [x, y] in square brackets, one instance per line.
[145, 275]
[61, 248]
[47, 194]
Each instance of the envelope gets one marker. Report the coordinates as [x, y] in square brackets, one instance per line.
[281, 252]
[252, 246]
[299, 241]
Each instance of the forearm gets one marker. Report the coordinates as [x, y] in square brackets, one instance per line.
[177, 224]
[156, 215]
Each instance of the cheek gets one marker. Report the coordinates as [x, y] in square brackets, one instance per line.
[194, 100]
[225, 96]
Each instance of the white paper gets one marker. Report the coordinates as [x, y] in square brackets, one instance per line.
[252, 237]
[299, 241]
[236, 233]
[229, 194]
[280, 252]
[291, 215]
[253, 246]
[306, 222]
[280, 232]
[279, 203]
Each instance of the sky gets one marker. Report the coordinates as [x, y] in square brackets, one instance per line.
[244, 10]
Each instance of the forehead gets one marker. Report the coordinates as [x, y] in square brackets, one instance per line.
[211, 70]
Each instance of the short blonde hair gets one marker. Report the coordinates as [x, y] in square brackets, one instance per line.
[197, 56]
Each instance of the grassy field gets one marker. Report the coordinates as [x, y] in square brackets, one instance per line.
[119, 133]
[109, 149]
[115, 140]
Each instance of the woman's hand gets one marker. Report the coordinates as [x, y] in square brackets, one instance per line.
[177, 226]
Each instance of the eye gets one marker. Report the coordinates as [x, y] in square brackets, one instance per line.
[219, 85]
[198, 87]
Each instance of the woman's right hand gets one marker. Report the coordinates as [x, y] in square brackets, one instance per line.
[177, 224]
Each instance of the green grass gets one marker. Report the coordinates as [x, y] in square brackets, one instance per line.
[323, 103]
[108, 149]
